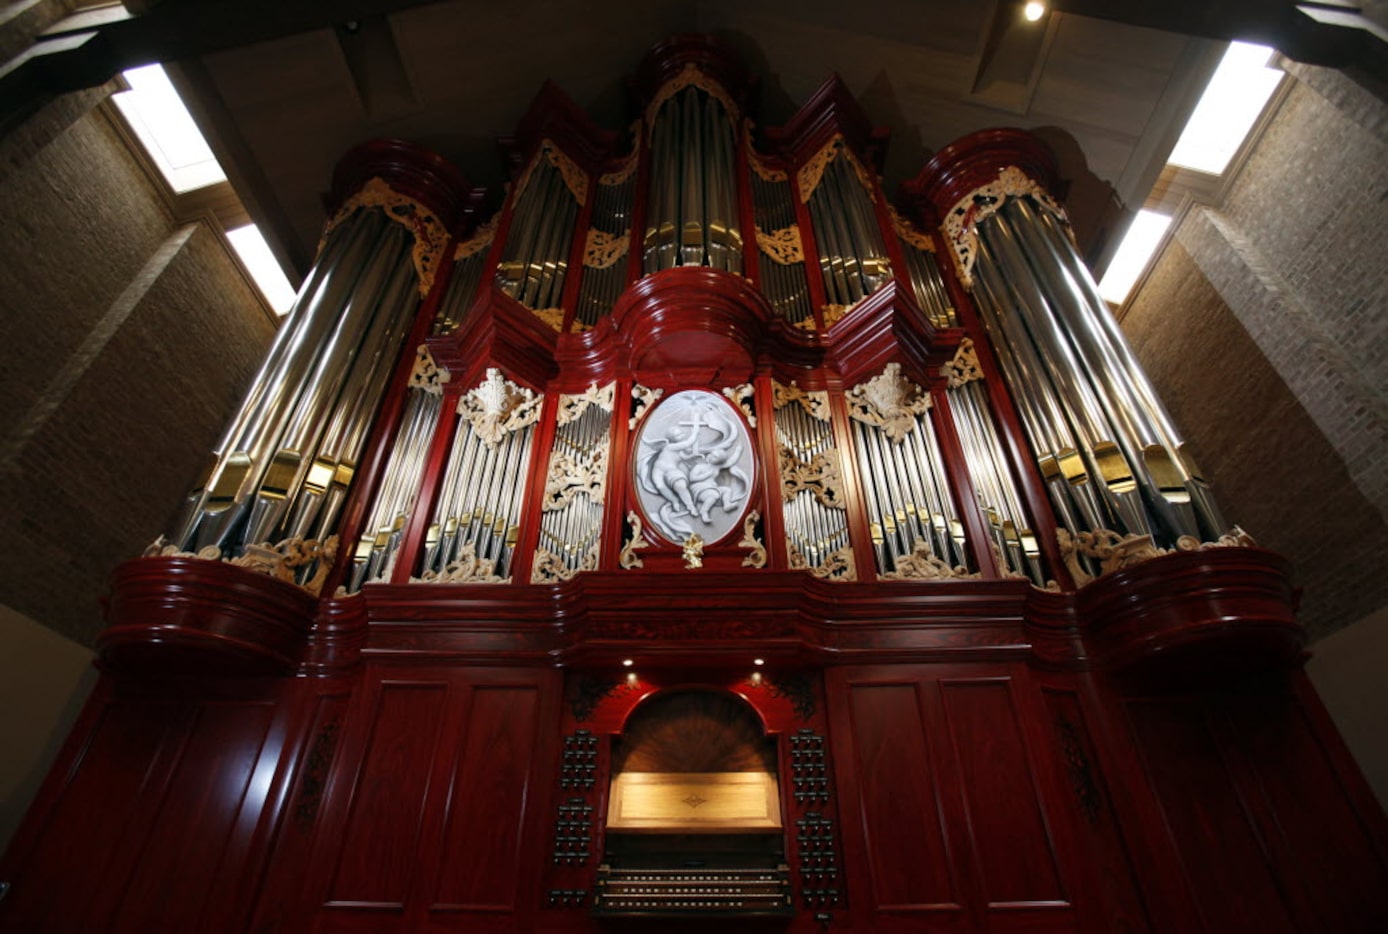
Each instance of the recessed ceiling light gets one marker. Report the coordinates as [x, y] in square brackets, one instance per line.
[627, 662]
[1033, 11]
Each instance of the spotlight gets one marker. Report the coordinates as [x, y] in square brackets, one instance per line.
[756, 677]
[758, 662]
[626, 663]
[1033, 11]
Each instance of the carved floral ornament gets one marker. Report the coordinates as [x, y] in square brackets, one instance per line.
[629, 559]
[815, 404]
[552, 318]
[430, 236]
[812, 171]
[783, 246]
[427, 375]
[467, 568]
[282, 561]
[642, 400]
[757, 558]
[909, 233]
[549, 568]
[820, 476]
[601, 249]
[961, 224]
[758, 163]
[691, 76]
[623, 172]
[922, 564]
[575, 179]
[572, 407]
[498, 407]
[741, 396]
[1115, 552]
[963, 368]
[838, 566]
[481, 238]
[889, 402]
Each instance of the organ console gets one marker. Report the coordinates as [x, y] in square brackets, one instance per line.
[701, 533]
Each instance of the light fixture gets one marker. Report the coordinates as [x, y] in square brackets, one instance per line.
[631, 677]
[1033, 11]
[758, 662]
[626, 663]
[756, 677]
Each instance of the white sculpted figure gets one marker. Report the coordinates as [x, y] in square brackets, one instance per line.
[692, 467]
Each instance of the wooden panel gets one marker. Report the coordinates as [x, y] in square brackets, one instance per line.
[1016, 857]
[1224, 860]
[482, 848]
[379, 846]
[908, 862]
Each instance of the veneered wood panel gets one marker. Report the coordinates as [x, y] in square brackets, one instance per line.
[1224, 860]
[1016, 859]
[378, 849]
[482, 847]
[908, 861]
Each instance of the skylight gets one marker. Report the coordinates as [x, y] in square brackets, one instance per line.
[261, 264]
[1136, 250]
[158, 117]
[1236, 95]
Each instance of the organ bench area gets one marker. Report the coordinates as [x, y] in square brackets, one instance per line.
[701, 538]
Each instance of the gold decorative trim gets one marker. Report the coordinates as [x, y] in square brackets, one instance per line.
[575, 179]
[923, 565]
[498, 407]
[282, 561]
[1115, 552]
[572, 473]
[601, 250]
[889, 402]
[427, 375]
[645, 398]
[623, 172]
[481, 238]
[549, 568]
[430, 236]
[551, 317]
[741, 396]
[572, 407]
[812, 172]
[628, 558]
[821, 476]
[757, 559]
[909, 233]
[693, 552]
[691, 76]
[783, 246]
[963, 367]
[961, 224]
[838, 566]
[755, 159]
[815, 403]
[467, 568]
[833, 314]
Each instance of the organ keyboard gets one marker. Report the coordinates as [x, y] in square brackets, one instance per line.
[702, 891]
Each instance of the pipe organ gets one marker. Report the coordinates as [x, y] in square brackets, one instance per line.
[721, 536]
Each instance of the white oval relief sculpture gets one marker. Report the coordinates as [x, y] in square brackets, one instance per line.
[693, 467]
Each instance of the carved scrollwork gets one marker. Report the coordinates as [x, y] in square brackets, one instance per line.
[784, 245]
[467, 568]
[549, 568]
[963, 367]
[691, 76]
[758, 163]
[622, 173]
[814, 402]
[923, 565]
[552, 318]
[889, 402]
[498, 407]
[838, 566]
[645, 398]
[820, 476]
[833, 314]
[601, 250]
[812, 171]
[281, 561]
[757, 559]
[961, 225]
[572, 473]
[628, 558]
[909, 233]
[575, 179]
[160, 548]
[572, 407]
[426, 374]
[481, 238]
[1115, 552]
[430, 236]
[741, 396]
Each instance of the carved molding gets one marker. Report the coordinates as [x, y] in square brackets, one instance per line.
[1115, 552]
[820, 476]
[601, 250]
[572, 407]
[691, 76]
[430, 236]
[549, 568]
[427, 375]
[572, 473]
[281, 561]
[889, 402]
[783, 246]
[644, 399]
[909, 233]
[814, 402]
[961, 225]
[754, 159]
[498, 407]
[467, 568]
[693, 553]
[757, 559]
[923, 565]
[628, 558]
[741, 396]
[838, 566]
[812, 172]
[963, 367]
[481, 238]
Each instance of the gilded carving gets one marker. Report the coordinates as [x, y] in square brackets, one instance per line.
[783, 246]
[838, 566]
[963, 367]
[741, 396]
[549, 568]
[693, 552]
[575, 179]
[820, 476]
[691, 76]
[427, 375]
[628, 558]
[623, 172]
[1115, 552]
[467, 568]
[764, 171]
[645, 398]
[601, 250]
[481, 238]
[833, 314]
[282, 561]
[551, 317]
[923, 565]
[889, 402]
[961, 225]
[572, 407]
[815, 403]
[757, 559]
[430, 236]
[575, 472]
[909, 233]
[812, 172]
[498, 407]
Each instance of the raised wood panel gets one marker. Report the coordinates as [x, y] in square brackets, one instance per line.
[1016, 857]
[481, 867]
[378, 849]
[1224, 860]
[908, 862]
